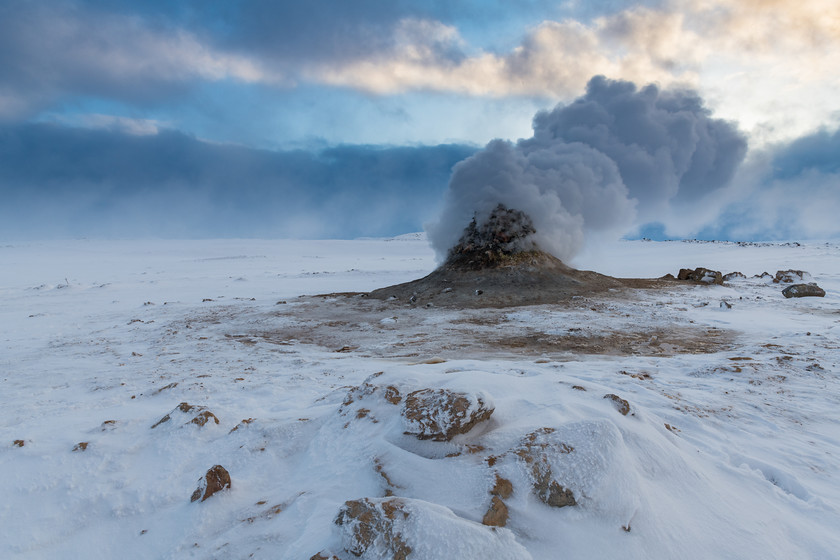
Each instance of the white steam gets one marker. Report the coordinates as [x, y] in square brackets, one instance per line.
[595, 167]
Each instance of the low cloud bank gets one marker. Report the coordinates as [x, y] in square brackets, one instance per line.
[58, 181]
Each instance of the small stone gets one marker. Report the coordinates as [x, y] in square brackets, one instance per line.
[497, 515]
[81, 446]
[19, 443]
[217, 478]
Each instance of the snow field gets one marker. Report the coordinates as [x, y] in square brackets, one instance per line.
[729, 454]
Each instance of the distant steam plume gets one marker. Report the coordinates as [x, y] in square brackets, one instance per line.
[615, 157]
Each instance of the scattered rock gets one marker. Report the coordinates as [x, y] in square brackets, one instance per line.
[725, 304]
[81, 446]
[701, 275]
[621, 405]
[803, 290]
[497, 515]
[19, 443]
[198, 415]
[790, 276]
[217, 478]
[733, 276]
[537, 452]
[440, 414]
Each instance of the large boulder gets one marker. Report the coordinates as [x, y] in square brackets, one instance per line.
[441, 414]
[188, 414]
[402, 528]
[803, 290]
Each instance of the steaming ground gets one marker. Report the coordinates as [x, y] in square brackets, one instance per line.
[730, 448]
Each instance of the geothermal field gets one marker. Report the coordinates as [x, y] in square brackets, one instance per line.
[629, 419]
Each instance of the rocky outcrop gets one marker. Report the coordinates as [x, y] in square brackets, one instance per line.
[441, 414]
[216, 479]
[191, 414]
[734, 276]
[701, 275]
[803, 290]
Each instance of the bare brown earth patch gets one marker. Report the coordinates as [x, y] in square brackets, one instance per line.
[626, 322]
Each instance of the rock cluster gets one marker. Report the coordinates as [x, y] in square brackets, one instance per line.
[701, 275]
[505, 233]
[198, 415]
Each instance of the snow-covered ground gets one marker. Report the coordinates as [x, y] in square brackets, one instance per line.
[731, 448]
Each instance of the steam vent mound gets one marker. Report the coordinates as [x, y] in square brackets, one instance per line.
[498, 264]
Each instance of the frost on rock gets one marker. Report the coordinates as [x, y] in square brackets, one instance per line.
[440, 414]
[401, 528]
[579, 464]
[790, 276]
[191, 414]
[217, 478]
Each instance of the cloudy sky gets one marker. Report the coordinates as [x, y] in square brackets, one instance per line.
[331, 118]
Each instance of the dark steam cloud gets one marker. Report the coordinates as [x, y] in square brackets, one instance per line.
[59, 181]
[615, 157]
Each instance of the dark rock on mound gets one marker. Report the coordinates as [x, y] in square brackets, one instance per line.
[497, 264]
[803, 290]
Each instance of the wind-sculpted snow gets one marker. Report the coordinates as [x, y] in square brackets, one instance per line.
[725, 450]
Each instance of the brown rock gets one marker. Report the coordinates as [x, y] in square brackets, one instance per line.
[81, 446]
[503, 488]
[803, 290]
[621, 405]
[371, 523]
[217, 478]
[441, 414]
[497, 515]
[19, 443]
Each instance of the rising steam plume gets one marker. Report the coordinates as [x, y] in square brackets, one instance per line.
[616, 157]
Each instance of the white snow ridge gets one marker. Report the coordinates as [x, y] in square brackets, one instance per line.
[635, 423]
